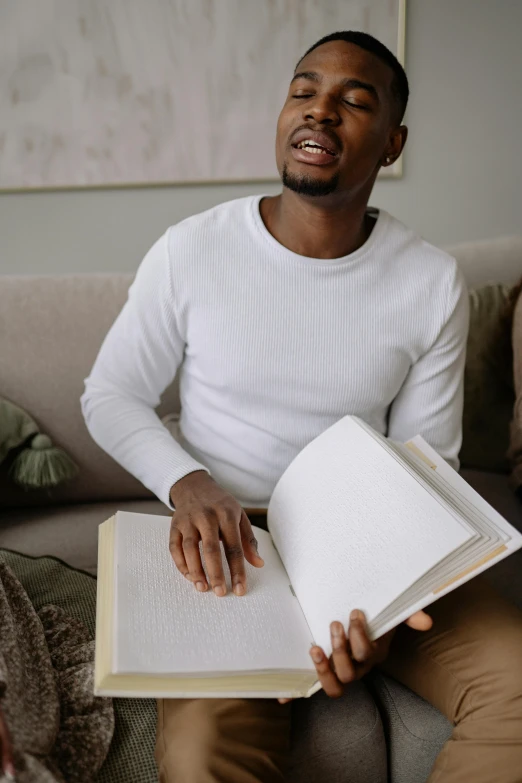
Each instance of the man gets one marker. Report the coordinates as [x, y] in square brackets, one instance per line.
[285, 314]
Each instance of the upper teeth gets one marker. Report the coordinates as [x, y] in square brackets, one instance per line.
[313, 144]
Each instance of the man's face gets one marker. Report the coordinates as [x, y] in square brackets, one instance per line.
[338, 121]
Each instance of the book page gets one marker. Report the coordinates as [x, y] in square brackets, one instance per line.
[164, 626]
[461, 486]
[495, 540]
[354, 529]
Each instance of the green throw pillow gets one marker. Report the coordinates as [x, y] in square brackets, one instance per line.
[30, 457]
[488, 382]
[50, 581]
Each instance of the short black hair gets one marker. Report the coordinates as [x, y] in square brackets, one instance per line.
[400, 87]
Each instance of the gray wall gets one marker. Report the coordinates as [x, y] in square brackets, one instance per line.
[462, 169]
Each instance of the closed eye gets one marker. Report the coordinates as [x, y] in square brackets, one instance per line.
[354, 105]
[357, 105]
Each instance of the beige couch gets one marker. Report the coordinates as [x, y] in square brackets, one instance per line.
[50, 331]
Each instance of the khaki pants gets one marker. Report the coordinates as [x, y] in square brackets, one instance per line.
[469, 666]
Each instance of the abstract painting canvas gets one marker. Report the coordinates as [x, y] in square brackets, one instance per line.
[128, 92]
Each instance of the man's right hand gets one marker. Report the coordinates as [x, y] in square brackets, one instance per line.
[205, 512]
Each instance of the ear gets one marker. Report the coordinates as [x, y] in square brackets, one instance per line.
[395, 145]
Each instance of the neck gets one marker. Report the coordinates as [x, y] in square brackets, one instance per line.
[316, 227]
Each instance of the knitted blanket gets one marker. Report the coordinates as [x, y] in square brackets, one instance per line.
[60, 732]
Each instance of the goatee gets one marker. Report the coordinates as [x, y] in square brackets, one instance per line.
[306, 185]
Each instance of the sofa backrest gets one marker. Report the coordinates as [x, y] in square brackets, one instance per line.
[50, 331]
[489, 261]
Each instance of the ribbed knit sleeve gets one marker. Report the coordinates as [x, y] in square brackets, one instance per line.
[430, 402]
[136, 363]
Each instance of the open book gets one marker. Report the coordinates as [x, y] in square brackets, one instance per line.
[356, 521]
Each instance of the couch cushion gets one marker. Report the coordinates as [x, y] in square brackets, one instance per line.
[67, 532]
[50, 331]
[489, 394]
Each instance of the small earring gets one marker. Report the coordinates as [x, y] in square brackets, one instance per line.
[387, 160]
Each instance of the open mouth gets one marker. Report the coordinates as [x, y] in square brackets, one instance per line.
[314, 148]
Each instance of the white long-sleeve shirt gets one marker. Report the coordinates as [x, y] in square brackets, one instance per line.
[274, 347]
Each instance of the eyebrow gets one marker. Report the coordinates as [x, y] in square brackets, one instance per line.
[354, 84]
[312, 76]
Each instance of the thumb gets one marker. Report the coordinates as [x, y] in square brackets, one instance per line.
[249, 542]
[420, 621]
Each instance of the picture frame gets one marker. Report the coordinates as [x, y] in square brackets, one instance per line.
[77, 116]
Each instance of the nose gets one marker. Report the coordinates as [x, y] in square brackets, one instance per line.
[322, 110]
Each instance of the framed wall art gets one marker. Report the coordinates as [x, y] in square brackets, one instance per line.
[156, 92]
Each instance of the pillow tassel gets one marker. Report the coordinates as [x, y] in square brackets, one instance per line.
[42, 465]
